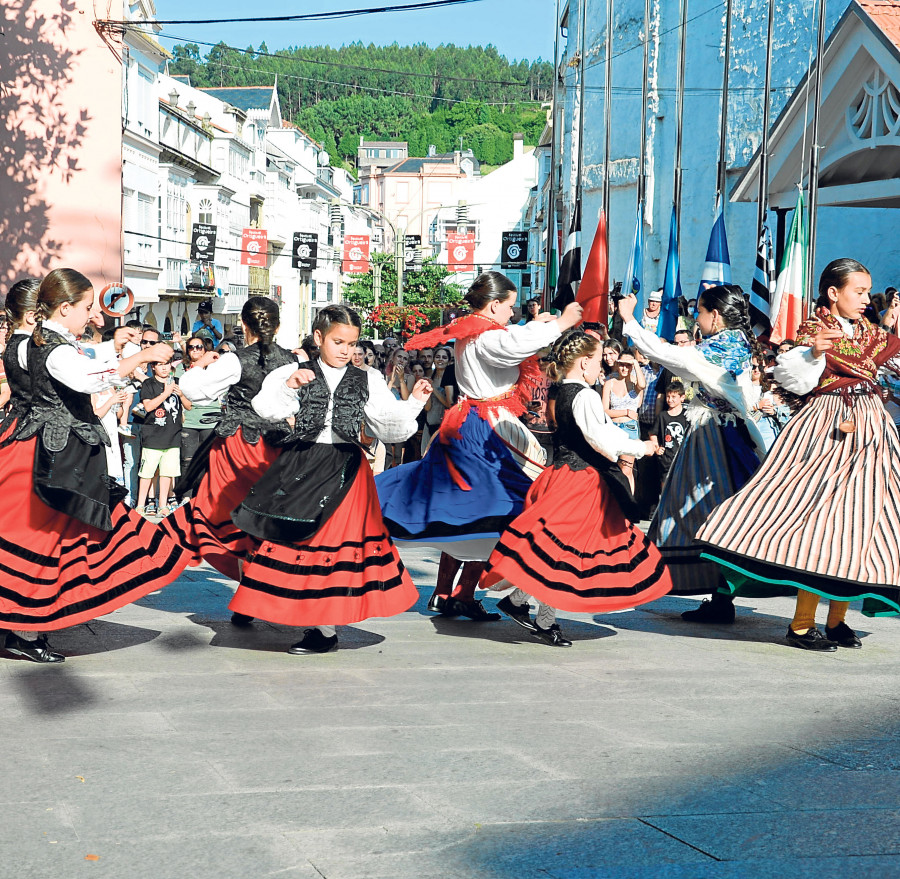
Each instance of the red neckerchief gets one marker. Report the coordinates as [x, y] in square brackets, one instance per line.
[851, 361]
[516, 400]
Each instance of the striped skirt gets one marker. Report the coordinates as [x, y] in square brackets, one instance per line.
[821, 514]
[203, 525]
[573, 549]
[57, 572]
[714, 461]
[348, 571]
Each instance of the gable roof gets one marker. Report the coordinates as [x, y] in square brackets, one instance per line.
[244, 97]
[859, 119]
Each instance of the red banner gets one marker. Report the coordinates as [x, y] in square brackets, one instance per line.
[254, 247]
[461, 251]
[356, 254]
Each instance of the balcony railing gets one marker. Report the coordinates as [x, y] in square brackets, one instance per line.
[258, 280]
[176, 274]
[234, 301]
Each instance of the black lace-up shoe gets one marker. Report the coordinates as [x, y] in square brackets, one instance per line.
[474, 610]
[241, 619]
[442, 604]
[843, 636]
[518, 613]
[812, 639]
[711, 612]
[313, 641]
[37, 650]
[552, 636]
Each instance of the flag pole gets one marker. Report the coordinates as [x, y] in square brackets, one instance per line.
[582, 16]
[551, 193]
[721, 183]
[679, 101]
[814, 161]
[642, 168]
[763, 205]
[607, 115]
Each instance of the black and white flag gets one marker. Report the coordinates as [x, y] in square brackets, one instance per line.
[570, 268]
[763, 286]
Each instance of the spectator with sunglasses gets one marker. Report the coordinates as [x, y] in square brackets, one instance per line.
[201, 419]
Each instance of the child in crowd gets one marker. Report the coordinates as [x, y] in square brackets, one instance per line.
[163, 400]
[670, 428]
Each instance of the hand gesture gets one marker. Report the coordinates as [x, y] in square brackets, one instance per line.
[570, 317]
[207, 358]
[158, 353]
[627, 305]
[300, 377]
[122, 397]
[544, 317]
[824, 340]
[766, 406]
[422, 390]
[651, 447]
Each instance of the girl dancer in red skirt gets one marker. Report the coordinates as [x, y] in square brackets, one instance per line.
[241, 449]
[322, 555]
[70, 551]
[572, 547]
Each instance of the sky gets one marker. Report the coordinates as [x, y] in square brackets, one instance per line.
[519, 29]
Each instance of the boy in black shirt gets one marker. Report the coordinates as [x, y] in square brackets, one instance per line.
[160, 433]
[670, 427]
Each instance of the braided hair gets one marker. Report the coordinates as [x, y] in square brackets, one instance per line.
[260, 316]
[21, 298]
[729, 301]
[568, 348]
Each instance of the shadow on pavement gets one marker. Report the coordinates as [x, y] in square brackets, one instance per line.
[508, 632]
[264, 636]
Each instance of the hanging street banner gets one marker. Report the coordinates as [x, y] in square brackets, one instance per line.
[461, 251]
[411, 244]
[203, 242]
[254, 247]
[356, 254]
[514, 250]
[305, 251]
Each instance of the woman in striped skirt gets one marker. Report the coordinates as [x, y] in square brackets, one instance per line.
[723, 445]
[821, 516]
[70, 550]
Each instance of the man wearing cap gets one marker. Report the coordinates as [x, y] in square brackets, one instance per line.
[206, 326]
[651, 313]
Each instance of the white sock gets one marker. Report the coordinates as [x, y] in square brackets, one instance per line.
[27, 636]
[546, 616]
[518, 597]
[327, 631]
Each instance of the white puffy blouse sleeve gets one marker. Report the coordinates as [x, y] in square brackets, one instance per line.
[510, 348]
[275, 400]
[798, 370]
[601, 433]
[207, 386]
[78, 372]
[686, 362]
[388, 418]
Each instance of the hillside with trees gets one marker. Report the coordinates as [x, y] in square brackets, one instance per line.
[470, 96]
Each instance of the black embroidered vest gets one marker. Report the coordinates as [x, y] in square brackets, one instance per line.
[56, 410]
[237, 410]
[570, 448]
[19, 382]
[350, 398]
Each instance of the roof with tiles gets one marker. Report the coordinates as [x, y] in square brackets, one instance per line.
[886, 14]
[244, 97]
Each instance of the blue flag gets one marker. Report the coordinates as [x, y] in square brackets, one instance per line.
[668, 315]
[717, 268]
[634, 273]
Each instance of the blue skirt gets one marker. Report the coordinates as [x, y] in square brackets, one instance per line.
[468, 489]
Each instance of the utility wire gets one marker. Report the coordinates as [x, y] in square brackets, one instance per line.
[315, 16]
[284, 54]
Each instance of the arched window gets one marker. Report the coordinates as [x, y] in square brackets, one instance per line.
[205, 212]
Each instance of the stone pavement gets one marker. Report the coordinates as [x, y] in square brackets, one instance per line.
[173, 745]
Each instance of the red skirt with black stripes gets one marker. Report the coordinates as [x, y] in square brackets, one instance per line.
[573, 549]
[348, 571]
[203, 525]
[57, 572]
